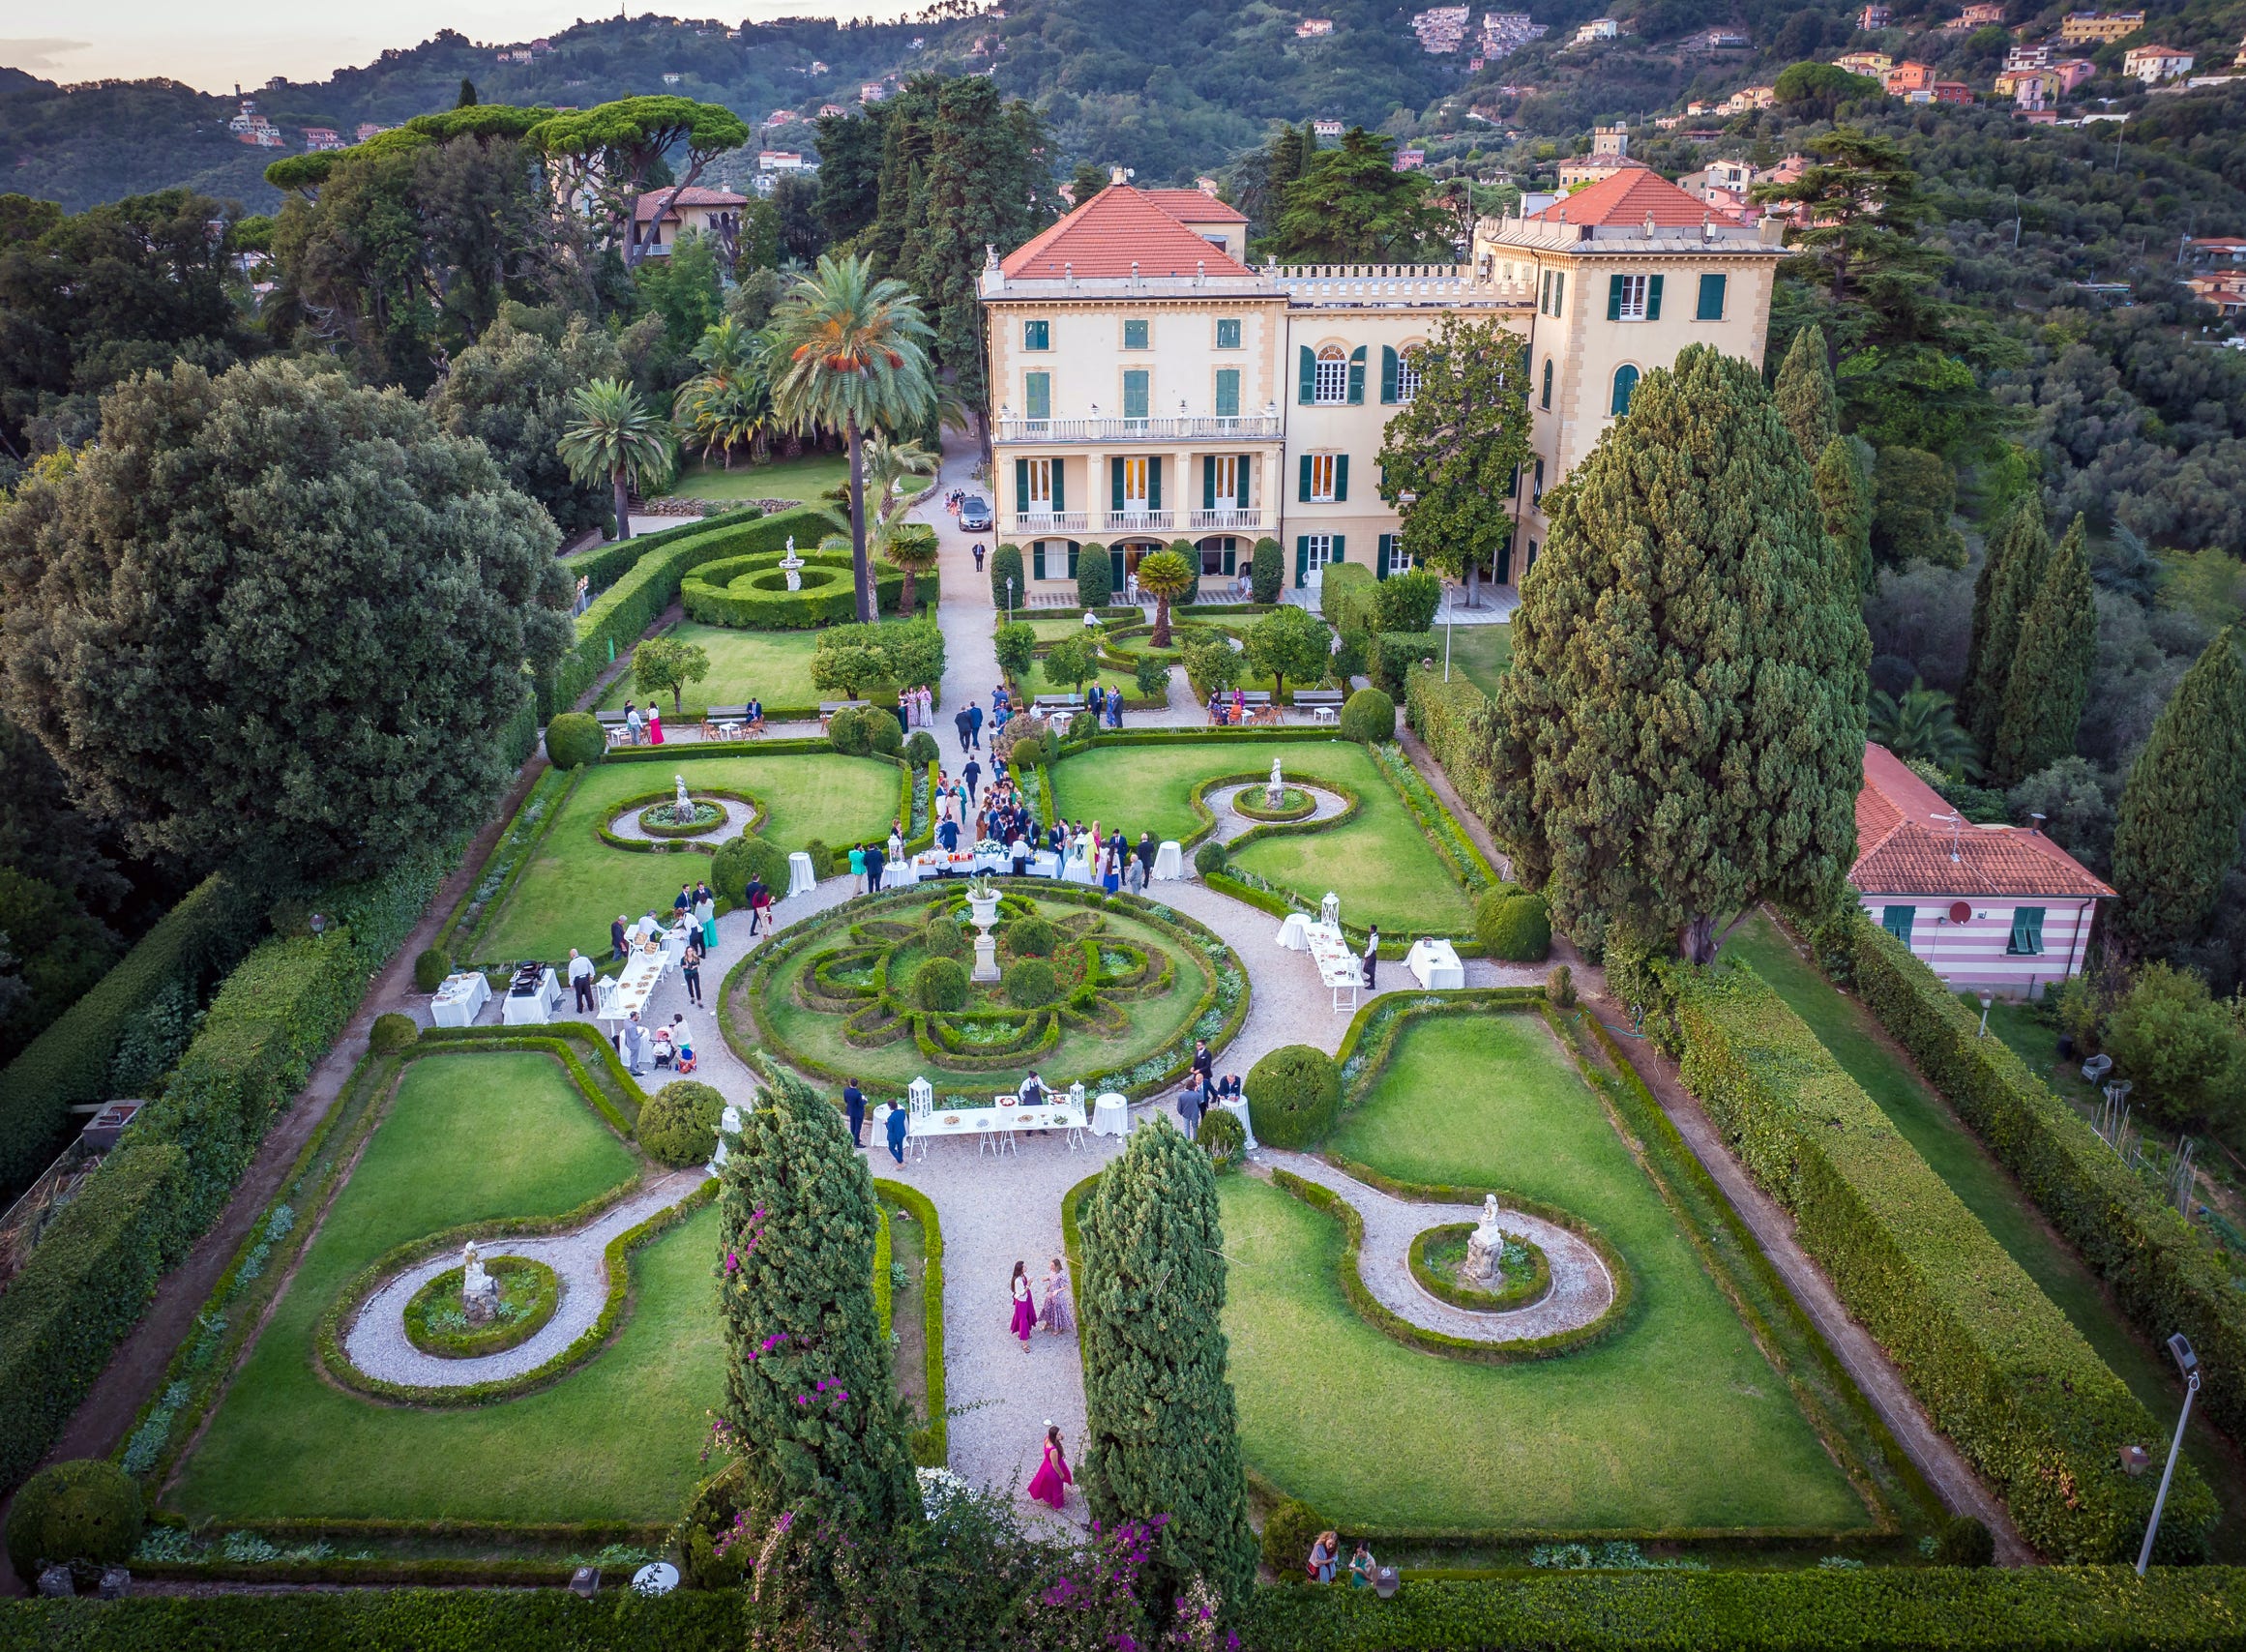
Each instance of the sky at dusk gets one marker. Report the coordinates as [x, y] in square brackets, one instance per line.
[215, 45]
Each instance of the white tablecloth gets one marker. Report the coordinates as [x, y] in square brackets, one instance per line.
[1237, 1107]
[630, 989]
[1338, 968]
[1111, 1115]
[996, 1124]
[900, 875]
[800, 878]
[532, 1009]
[1168, 861]
[1436, 964]
[459, 1000]
[1294, 932]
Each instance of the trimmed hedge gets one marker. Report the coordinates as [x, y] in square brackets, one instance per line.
[81, 1513]
[1341, 582]
[1369, 715]
[1267, 571]
[2166, 1273]
[1512, 924]
[932, 1444]
[678, 1126]
[71, 1062]
[2000, 1368]
[1458, 724]
[575, 740]
[1294, 1094]
[750, 591]
[1006, 564]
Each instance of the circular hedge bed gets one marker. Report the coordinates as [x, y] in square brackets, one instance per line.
[1294, 804]
[1438, 1259]
[659, 819]
[436, 1324]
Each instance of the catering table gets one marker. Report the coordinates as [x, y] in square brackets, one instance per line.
[1435, 963]
[459, 1000]
[618, 999]
[1237, 1107]
[1338, 967]
[994, 1125]
[1168, 861]
[1294, 932]
[536, 1006]
[1111, 1114]
[801, 879]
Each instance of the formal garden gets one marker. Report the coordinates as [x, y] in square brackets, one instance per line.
[771, 667]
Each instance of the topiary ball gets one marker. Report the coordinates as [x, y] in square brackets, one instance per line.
[575, 739]
[1029, 752]
[940, 984]
[921, 749]
[678, 1126]
[1031, 937]
[1369, 715]
[1512, 924]
[1288, 1532]
[1210, 857]
[740, 859]
[1293, 1095]
[848, 733]
[822, 858]
[392, 1033]
[431, 968]
[883, 733]
[1964, 1541]
[1222, 1138]
[1030, 983]
[943, 939]
[84, 1514]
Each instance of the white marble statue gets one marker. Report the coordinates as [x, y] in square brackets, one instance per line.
[475, 1282]
[1277, 789]
[683, 812]
[789, 564]
[1487, 1246]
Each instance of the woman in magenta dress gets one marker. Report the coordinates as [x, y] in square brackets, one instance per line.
[655, 726]
[1025, 1311]
[1050, 1483]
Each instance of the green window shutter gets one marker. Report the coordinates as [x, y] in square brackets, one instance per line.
[1380, 555]
[1228, 334]
[1073, 548]
[1614, 298]
[1387, 376]
[1134, 335]
[1208, 482]
[1505, 559]
[1037, 391]
[1625, 382]
[1653, 299]
[1340, 544]
[1302, 555]
[1309, 389]
[1357, 376]
[1060, 503]
[1240, 481]
[1022, 485]
[1036, 563]
[1229, 553]
[1302, 492]
[1135, 393]
[1116, 570]
[1115, 476]
[1227, 392]
[1559, 290]
[2026, 931]
[1895, 921]
[1548, 384]
[1037, 336]
[1711, 305]
[1341, 480]
[1154, 483]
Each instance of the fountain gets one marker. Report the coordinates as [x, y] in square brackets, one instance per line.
[983, 908]
[792, 565]
[479, 1290]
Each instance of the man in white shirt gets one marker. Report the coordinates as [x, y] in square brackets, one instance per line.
[580, 979]
[1032, 1091]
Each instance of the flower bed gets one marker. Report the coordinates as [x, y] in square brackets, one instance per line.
[1438, 1256]
[1294, 804]
[437, 1323]
[661, 819]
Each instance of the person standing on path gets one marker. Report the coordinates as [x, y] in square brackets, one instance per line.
[633, 725]
[873, 864]
[858, 869]
[854, 1107]
[978, 557]
[1024, 1312]
[619, 942]
[1050, 1483]
[1204, 1065]
[972, 773]
[690, 969]
[1144, 848]
[1055, 1316]
[581, 981]
[750, 897]
[895, 1124]
[974, 724]
[1372, 957]
[707, 915]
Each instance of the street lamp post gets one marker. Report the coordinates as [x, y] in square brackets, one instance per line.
[1986, 999]
[2180, 1350]
[1009, 599]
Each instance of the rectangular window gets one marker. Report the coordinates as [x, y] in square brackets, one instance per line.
[1228, 334]
[1333, 377]
[1037, 394]
[1037, 335]
[2026, 931]
[1626, 298]
[1224, 480]
[1321, 477]
[1227, 392]
[1134, 392]
[1711, 305]
[1895, 920]
[1407, 376]
[1134, 490]
[1552, 291]
[1536, 489]
[1320, 548]
[1037, 495]
[1134, 335]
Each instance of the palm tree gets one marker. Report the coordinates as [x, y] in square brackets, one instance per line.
[727, 404]
[1166, 575]
[894, 538]
[1922, 725]
[615, 437]
[850, 353]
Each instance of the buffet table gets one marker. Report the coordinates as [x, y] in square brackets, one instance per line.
[459, 1000]
[627, 993]
[1436, 964]
[1338, 967]
[532, 1002]
[993, 1126]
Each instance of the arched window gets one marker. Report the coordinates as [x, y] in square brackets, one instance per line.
[1406, 374]
[1548, 384]
[1625, 381]
[1333, 380]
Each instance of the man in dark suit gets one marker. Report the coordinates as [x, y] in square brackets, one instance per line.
[972, 773]
[966, 730]
[974, 724]
[874, 861]
[616, 943]
[1145, 850]
[1204, 1065]
[854, 1106]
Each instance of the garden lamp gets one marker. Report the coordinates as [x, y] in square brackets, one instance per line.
[2179, 1350]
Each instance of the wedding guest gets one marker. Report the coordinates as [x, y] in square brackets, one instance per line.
[1322, 1555]
[690, 970]
[1024, 1315]
[756, 711]
[974, 724]
[1189, 1101]
[972, 773]
[754, 898]
[639, 1047]
[873, 868]
[895, 1124]
[1050, 1483]
[854, 1107]
[655, 726]
[896, 842]
[581, 981]
[966, 727]
[634, 723]
[1362, 1567]
[684, 901]
[1372, 959]
[858, 869]
[1144, 848]
[618, 944]
[707, 915]
[1056, 1317]
[1204, 1064]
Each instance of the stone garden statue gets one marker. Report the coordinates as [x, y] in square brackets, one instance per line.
[683, 810]
[1277, 788]
[1487, 1246]
[479, 1290]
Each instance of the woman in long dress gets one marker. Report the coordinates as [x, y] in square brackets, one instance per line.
[655, 726]
[707, 915]
[1050, 1483]
[1024, 1315]
[1057, 1319]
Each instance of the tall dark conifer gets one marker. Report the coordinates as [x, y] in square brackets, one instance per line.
[2178, 829]
[2049, 681]
[2012, 570]
[1806, 398]
[1845, 501]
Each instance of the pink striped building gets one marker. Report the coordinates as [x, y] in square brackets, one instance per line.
[1997, 907]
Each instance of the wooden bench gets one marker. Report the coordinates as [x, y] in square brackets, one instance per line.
[1324, 704]
[1057, 702]
[721, 717]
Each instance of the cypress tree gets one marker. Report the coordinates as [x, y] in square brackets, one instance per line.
[2177, 831]
[2012, 570]
[1682, 731]
[807, 1369]
[1845, 501]
[1806, 395]
[1161, 1434]
[2050, 669]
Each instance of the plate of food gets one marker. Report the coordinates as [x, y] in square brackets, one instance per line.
[951, 1118]
[1009, 1100]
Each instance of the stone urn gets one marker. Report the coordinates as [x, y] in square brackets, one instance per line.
[983, 908]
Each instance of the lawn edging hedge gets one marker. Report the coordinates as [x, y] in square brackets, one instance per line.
[1998, 1368]
[930, 1445]
[2166, 1275]
[1458, 722]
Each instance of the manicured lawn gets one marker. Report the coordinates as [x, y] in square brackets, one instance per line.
[770, 666]
[804, 478]
[1481, 653]
[1847, 1030]
[575, 884]
[473, 1137]
[1380, 863]
[1677, 1421]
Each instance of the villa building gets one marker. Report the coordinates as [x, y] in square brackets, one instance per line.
[715, 213]
[2099, 28]
[1151, 387]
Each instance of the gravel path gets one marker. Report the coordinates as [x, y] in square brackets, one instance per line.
[1581, 1288]
[1231, 823]
[739, 817]
[376, 1341]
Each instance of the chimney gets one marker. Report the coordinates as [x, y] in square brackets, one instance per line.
[2036, 823]
[1116, 175]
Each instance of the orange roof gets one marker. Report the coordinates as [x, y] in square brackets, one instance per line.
[692, 196]
[1627, 198]
[1117, 229]
[1901, 849]
[1195, 206]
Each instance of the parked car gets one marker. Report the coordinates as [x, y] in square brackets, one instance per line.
[975, 513]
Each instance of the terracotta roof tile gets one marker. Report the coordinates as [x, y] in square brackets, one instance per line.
[1901, 850]
[693, 195]
[1116, 228]
[1626, 197]
[1195, 206]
